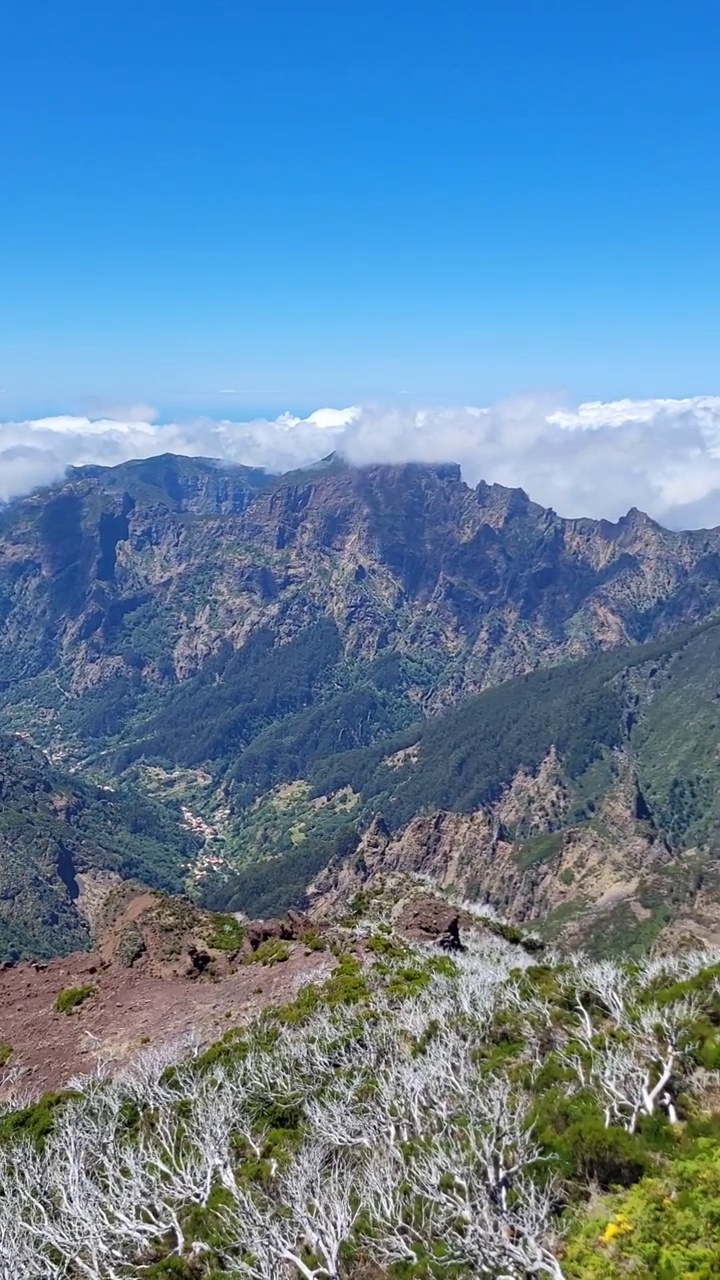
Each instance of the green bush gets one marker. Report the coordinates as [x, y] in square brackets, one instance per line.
[36, 1121]
[72, 997]
[384, 946]
[590, 1152]
[668, 1226]
[271, 951]
[226, 933]
[313, 940]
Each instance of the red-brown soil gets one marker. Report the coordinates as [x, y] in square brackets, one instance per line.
[177, 986]
[131, 1009]
[174, 986]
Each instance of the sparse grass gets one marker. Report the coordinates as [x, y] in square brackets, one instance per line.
[72, 997]
[272, 951]
[540, 848]
[313, 940]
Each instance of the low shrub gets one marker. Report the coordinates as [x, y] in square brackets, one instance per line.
[226, 933]
[271, 951]
[72, 997]
[667, 1225]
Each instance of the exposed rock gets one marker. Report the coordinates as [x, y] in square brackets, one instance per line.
[200, 962]
[406, 557]
[476, 584]
[289, 928]
[515, 857]
[429, 920]
[259, 931]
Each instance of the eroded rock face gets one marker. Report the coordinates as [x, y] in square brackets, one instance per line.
[429, 920]
[287, 928]
[403, 557]
[523, 859]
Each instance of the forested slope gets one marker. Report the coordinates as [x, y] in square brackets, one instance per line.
[613, 757]
[288, 657]
[54, 827]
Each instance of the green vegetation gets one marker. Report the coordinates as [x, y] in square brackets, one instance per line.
[244, 633]
[518, 1116]
[271, 886]
[131, 945]
[468, 755]
[226, 933]
[72, 997]
[35, 1122]
[619, 932]
[271, 951]
[313, 940]
[54, 826]
[668, 1225]
[539, 848]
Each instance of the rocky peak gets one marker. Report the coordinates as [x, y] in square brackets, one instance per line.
[499, 504]
[201, 486]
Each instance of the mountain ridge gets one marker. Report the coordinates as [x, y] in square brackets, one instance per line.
[150, 470]
[238, 643]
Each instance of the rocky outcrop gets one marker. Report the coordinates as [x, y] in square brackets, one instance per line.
[429, 920]
[287, 928]
[521, 857]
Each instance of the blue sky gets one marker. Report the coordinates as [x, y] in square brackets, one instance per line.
[324, 203]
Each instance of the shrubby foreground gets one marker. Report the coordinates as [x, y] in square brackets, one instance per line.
[493, 1114]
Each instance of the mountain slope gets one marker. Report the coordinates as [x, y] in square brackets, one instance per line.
[584, 795]
[286, 657]
[121, 584]
[54, 828]
[379, 1109]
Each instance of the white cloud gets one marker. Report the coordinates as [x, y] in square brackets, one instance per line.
[594, 459]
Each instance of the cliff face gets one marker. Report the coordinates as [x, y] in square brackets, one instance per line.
[611, 885]
[144, 570]
[215, 635]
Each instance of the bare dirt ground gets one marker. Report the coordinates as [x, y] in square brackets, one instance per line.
[132, 1008]
[156, 978]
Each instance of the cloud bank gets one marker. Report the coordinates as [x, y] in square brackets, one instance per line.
[596, 459]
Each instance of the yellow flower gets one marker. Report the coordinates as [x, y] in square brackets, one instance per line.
[620, 1226]
[611, 1231]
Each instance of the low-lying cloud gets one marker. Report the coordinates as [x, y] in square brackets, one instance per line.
[596, 459]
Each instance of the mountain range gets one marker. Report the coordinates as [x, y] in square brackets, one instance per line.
[272, 690]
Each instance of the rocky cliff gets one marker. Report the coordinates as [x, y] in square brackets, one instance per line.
[141, 572]
[283, 657]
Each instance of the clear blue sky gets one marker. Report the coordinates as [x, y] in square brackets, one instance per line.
[315, 202]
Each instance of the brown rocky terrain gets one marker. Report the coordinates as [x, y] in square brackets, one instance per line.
[153, 980]
[575, 883]
[153, 977]
[130, 1010]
